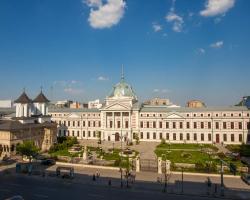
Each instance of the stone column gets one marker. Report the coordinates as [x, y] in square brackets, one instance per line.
[137, 164]
[168, 164]
[159, 165]
[85, 153]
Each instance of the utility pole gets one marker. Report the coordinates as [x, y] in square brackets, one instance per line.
[221, 179]
[182, 180]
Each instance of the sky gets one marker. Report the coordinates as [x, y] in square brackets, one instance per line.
[176, 49]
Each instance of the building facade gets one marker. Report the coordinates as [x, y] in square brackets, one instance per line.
[122, 117]
[31, 122]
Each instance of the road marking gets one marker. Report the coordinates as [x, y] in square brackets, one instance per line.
[41, 196]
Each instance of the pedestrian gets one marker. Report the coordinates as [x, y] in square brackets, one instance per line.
[215, 189]
[97, 174]
[109, 182]
[94, 177]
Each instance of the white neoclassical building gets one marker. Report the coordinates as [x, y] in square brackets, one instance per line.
[123, 117]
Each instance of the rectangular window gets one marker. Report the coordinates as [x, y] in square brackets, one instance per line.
[174, 136]
[77, 133]
[126, 124]
[154, 135]
[73, 133]
[202, 137]
[167, 136]
[195, 124]
[118, 124]
[209, 125]
[93, 133]
[99, 123]
[209, 137]
[160, 136]
[181, 125]
[147, 124]
[232, 137]
[224, 125]
[64, 132]
[188, 124]
[188, 136]
[240, 125]
[224, 137]
[147, 135]
[232, 125]
[248, 137]
[160, 124]
[141, 135]
[141, 124]
[78, 123]
[93, 123]
[217, 125]
[83, 123]
[181, 136]
[174, 124]
[88, 123]
[68, 123]
[195, 136]
[202, 125]
[83, 134]
[110, 124]
[167, 125]
[240, 137]
[154, 124]
[73, 123]
[88, 133]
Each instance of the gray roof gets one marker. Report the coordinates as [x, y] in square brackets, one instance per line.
[11, 125]
[23, 98]
[186, 109]
[69, 110]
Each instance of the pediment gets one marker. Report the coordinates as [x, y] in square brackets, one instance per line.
[174, 116]
[117, 106]
[73, 115]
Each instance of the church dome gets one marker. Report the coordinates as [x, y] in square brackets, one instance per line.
[122, 89]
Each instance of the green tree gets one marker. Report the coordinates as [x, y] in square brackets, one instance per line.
[27, 148]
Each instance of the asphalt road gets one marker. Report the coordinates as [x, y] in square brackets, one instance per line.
[53, 188]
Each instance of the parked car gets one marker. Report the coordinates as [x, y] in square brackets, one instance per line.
[48, 162]
[246, 178]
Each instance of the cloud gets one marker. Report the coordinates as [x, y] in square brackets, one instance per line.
[102, 78]
[73, 91]
[93, 3]
[216, 7]
[156, 90]
[105, 15]
[217, 45]
[156, 27]
[177, 20]
[201, 51]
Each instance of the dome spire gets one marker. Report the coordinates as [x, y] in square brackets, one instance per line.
[122, 77]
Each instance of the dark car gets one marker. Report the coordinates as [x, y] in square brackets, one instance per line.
[48, 162]
[246, 178]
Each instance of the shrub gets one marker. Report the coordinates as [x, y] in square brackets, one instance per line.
[163, 141]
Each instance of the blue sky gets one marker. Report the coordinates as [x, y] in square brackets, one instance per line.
[181, 50]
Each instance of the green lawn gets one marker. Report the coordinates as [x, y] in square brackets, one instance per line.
[177, 156]
[187, 146]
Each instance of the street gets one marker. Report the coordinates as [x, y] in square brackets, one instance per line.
[52, 188]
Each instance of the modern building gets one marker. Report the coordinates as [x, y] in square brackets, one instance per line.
[123, 117]
[94, 104]
[31, 122]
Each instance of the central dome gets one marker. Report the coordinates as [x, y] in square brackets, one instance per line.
[122, 89]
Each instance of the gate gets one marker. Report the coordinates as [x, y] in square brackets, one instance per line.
[149, 165]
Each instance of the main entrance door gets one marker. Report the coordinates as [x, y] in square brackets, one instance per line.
[217, 138]
[117, 137]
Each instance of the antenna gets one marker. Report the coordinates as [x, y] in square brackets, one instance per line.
[41, 88]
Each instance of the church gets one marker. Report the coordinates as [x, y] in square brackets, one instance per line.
[123, 118]
[31, 122]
